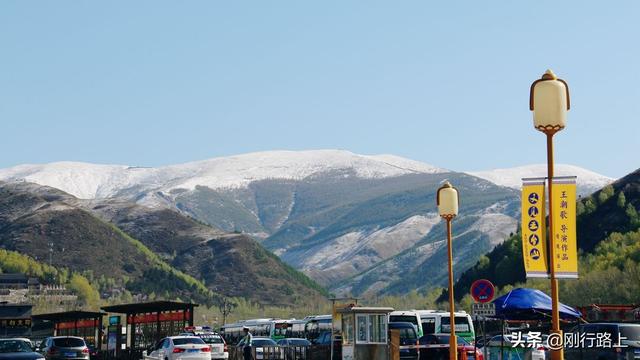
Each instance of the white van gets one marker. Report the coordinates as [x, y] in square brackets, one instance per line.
[410, 316]
[438, 322]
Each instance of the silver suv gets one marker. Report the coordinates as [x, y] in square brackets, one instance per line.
[64, 348]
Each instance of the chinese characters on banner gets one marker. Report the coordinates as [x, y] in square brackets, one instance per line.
[534, 240]
[15, 323]
[564, 227]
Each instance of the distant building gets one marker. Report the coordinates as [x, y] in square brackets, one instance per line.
[15, 320]
[18, 282]
[611, 312]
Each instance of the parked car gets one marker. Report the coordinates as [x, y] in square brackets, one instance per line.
[64, 347]
[17, 349]
[440, 348]
[28, 341]
[179, 348]
[481, 341]
[93, 351]
[323, 350]
[408, 337]
[499, 347]
[263, 347]
[294, 348]
[627, 336]
[219, 348]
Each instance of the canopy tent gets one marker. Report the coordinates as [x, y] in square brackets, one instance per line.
[530, 304]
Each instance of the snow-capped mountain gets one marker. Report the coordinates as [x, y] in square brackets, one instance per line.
[588, 181]
[332, 214]
[89, 181]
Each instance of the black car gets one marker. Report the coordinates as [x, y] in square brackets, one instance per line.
[622, 342]
[408, 337]
[294, 348]
[322, 349]
[16, 349]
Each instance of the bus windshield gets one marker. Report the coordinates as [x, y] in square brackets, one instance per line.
[404, 318]
[462, 324]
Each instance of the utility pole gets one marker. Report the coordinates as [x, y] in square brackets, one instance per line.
[50, 253]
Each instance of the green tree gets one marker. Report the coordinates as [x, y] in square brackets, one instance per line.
[589, 206]
[631, 212]
[86, 294]
[622, 200]
[605, 194]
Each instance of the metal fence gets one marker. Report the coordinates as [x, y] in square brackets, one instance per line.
[313, 352]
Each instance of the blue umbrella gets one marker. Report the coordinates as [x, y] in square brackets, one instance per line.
[530, 304]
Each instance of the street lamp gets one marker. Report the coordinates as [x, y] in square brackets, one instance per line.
[549, 101]
[447, 201]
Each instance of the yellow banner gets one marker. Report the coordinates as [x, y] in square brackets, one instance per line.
[534, 240]
[564, 227]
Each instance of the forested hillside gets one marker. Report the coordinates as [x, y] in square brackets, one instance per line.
[609, 248]
[76, 283]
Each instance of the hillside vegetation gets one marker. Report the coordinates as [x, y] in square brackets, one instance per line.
[134, 253]
[76, 283]
[609, 250]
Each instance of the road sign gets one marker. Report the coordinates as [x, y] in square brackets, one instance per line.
[484, 309]
[482, 291]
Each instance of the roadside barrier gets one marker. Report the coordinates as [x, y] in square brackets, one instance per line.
[313, 352]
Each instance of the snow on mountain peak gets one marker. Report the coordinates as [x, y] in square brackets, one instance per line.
[588, 181]
[87, 181]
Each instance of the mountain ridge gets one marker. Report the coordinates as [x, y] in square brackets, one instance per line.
[88, 180]
[588, 181]
[351, 222]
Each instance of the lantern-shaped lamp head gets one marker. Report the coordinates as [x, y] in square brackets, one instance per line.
[549, 101]
[447, 200]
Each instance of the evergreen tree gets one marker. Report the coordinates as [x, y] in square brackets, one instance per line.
[622, 200]
[605, 194]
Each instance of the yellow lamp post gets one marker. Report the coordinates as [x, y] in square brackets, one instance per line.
[549, 101]
[447, 201]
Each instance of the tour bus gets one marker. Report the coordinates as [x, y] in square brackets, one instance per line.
[439, 322]
[276, 329]
[296, 328]
[410, 316]
[316, 326]
[291, 328]
[233, 333]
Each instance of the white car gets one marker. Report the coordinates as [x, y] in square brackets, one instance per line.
[180, 348]
[219, 350]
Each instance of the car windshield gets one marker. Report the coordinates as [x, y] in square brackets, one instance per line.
[187, 341]
[408, 333]
[14, 346]
[264, 342]
[444, 339]
[298, 342]
[68, 342]
[212, 339]
[630, 332]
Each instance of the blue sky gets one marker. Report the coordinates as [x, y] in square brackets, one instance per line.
[151, 83]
